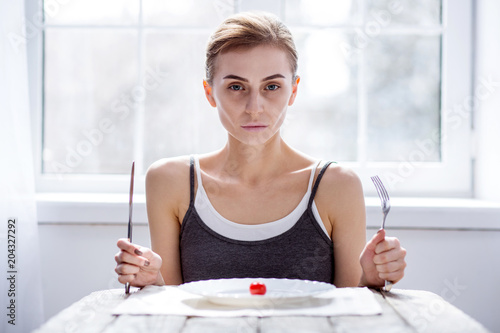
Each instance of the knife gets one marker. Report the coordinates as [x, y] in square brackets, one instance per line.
[131, 194]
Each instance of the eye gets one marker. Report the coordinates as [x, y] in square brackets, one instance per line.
[272, 87]
[235, 87]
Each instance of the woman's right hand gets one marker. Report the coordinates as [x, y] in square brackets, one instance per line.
[137, 265]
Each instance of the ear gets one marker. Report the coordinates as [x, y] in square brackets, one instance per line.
[294, 91]
[208, 93]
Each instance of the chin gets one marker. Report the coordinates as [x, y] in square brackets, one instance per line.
[258, 141]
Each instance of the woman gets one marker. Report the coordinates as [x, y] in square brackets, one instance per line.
[256, 207]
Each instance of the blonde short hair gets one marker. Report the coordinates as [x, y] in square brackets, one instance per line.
[246, 30]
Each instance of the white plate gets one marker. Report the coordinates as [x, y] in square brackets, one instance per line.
[236, 292]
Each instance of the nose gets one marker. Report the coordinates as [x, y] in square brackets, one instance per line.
[254, 105]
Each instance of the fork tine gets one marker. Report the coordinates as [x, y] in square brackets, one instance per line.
[382, 189]
[375, 180]
[379, 187]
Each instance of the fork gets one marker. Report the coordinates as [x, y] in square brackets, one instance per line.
[386, 207]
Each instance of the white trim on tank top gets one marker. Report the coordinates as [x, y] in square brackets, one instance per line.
[255, 232]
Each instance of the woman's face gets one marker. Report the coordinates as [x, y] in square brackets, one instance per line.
[252, 89]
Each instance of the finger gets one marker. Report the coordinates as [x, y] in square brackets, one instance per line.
[125, 245]
[118, 257]
[133, 259]
[392, 266]
[126, 269]
[123, 279]
[145, 253]
[392, 276]
[388, 256]
[376, 239]
[387, 244]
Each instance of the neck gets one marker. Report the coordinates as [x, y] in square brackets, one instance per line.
[254, 164]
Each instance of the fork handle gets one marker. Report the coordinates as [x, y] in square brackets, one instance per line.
[383, 221]
[387, 285]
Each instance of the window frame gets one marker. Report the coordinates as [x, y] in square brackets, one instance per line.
[440, 179]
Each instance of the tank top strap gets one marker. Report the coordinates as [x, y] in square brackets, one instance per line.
[191, 180]
[197, 168]
[316, 184]
[311, 178]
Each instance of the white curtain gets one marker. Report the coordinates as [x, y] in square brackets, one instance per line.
[21, 308]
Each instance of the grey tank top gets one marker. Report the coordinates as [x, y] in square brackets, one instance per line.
[302, 252]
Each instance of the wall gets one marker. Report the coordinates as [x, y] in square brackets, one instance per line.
[487, 103]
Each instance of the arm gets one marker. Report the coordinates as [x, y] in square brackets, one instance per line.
[357, 263]
[167, 194]
[341, 205]
[167, 198]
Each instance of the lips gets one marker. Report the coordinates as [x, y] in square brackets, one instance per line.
[254, 127]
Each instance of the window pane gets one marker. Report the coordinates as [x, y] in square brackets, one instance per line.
[403, 97]
[321, 12]
[90, 77]
[404, 12]
[108, 12]
[323, 120]
[196, 13]
[92, 80]
[178, 118]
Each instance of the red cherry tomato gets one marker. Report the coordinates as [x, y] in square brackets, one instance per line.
[257, 288]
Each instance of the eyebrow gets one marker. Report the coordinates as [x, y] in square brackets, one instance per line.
[236, 77]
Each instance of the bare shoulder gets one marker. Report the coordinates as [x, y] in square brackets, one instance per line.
[167, 184]
[167, 169]
[340, 199]
[340, 179]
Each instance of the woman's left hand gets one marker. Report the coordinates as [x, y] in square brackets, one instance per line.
[382, 259]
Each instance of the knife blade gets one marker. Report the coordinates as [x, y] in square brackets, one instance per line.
[131, 194]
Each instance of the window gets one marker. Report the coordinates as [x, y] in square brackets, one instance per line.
[383, 89]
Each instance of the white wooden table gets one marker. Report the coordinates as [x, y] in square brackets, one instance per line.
[402, 311]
